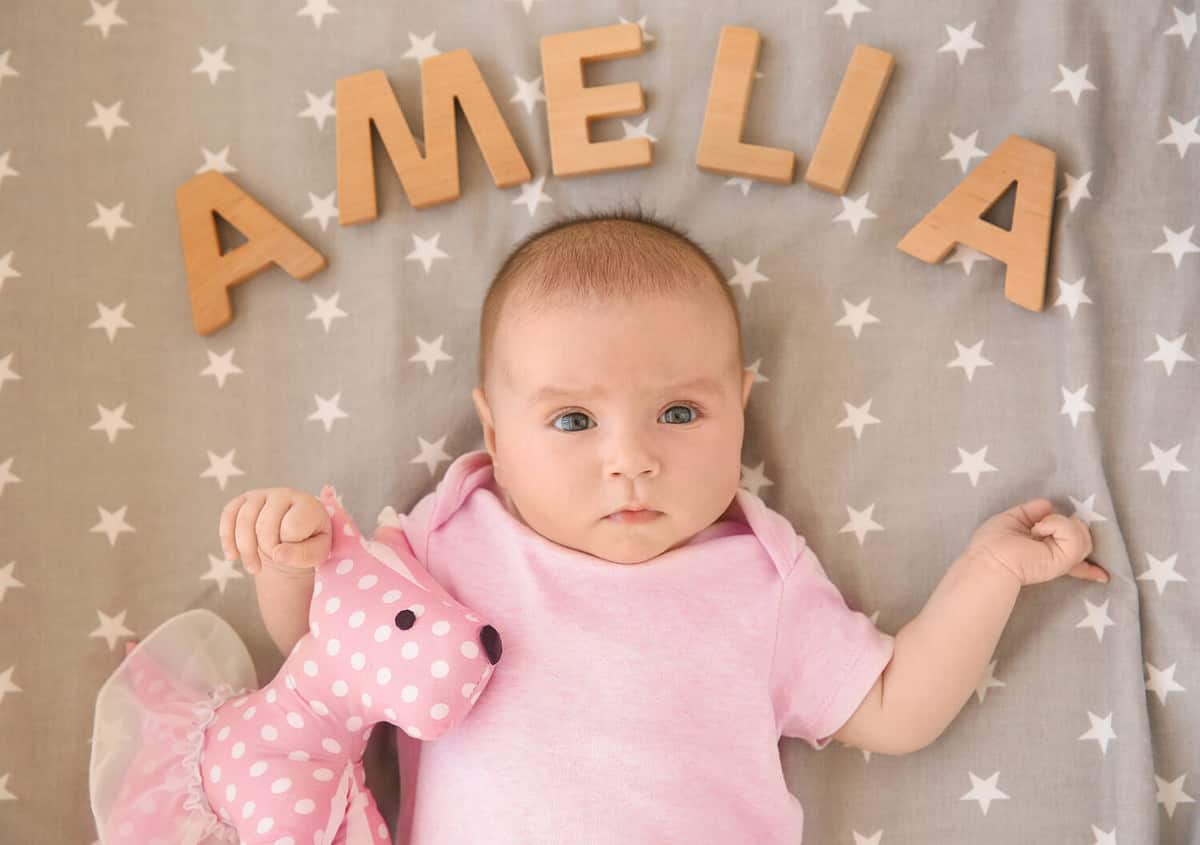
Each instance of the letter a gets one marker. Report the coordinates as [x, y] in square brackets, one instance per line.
[958, 218]
[209, 273]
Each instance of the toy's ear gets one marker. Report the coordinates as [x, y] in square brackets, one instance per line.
[403, 564]
[329, 498]
[345, 534]
[349, 542]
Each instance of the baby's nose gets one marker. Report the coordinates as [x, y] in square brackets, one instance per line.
[489, 638]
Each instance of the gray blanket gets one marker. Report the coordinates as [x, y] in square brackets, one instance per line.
[899, 404]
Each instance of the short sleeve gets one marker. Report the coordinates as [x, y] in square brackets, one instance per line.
[467, 472]
[827, 656]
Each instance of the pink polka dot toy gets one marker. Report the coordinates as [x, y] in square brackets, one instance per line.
[185, 750]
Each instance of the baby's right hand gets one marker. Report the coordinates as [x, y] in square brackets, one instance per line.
[279, 525]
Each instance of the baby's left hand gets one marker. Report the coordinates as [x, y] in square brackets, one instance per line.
[1035, 544]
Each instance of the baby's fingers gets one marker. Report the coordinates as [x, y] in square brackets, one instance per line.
[1088, 572]
[266, 527]
[225, 526]
[306, 534]
[1068, 538]
[244, 531]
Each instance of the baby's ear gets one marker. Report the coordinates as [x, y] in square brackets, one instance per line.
[484, 412]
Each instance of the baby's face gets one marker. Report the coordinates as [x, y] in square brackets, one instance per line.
[629, 430]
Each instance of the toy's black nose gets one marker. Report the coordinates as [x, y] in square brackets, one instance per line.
[489, 638]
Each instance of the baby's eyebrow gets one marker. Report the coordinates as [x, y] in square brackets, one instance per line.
[704, 384]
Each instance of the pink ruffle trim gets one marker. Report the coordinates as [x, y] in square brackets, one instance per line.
[205, 712]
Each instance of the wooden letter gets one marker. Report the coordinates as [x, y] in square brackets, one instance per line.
[850, 119]
[957, 218]
[209, 273]
[569, 105]
[429, 180]
[721, 149]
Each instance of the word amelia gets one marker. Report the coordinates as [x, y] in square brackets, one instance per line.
[367, 98]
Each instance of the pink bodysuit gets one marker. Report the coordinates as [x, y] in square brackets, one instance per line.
[637, 703]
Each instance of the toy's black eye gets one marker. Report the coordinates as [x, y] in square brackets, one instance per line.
[405, 619]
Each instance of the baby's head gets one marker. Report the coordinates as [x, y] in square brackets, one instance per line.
[635, 324]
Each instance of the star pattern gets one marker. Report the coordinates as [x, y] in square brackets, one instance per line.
[532, 195]
[963, 150]
[110, 219]
[847, 9]
[1183, 135]
[856, 316]
[984, 791]
[425, 250]
[1074, 82]
[108, 119]
[6, 170]
[1071, 295]
[325, 309]
[961, 41]
[1112, 437]
[1161, 572]
[529, 92]
[1171, 794]
[968, 257]
[221, 571]
[1076, 189]
[104, 17]
[746, 275]
[316, 10]
[969, 359]
[212, 63]
[1184, 27]
[1165, 462]
[321, 209]
[1101, 731]
[430, 353]
[319, 109]
[1162, 682]
[111, 628]
[855, 212]
[1169, 352]
[1178, 244]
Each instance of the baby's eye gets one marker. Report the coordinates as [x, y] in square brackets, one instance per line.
[692, 413]
[691, 416]
[569, 415]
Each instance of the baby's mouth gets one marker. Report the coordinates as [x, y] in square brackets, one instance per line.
[634, 517]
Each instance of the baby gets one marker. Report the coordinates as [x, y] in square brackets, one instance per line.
[663, 628]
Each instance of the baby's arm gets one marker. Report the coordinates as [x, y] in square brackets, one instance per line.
[939, 658]
[284, 595]
[942, 654]
[282, 535]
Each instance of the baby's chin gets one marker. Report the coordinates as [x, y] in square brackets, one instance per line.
[624, 559]
[628, 552]
[632, 550]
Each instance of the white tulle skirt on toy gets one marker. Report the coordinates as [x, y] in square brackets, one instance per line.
[149, 728]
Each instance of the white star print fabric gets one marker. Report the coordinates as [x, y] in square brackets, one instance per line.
[897, 403]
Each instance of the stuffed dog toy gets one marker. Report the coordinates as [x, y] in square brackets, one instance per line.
[186, 750]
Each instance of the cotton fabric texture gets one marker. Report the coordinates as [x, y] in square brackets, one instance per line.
[636, 703]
